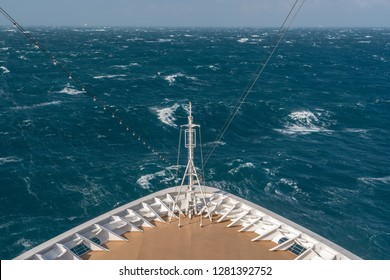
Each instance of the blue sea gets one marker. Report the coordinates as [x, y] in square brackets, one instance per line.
[311, 142]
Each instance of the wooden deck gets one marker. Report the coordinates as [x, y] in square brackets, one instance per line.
[189, 242]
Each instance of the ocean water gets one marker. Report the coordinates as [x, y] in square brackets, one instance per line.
[311, 142]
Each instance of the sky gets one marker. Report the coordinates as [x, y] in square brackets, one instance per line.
[213, 13]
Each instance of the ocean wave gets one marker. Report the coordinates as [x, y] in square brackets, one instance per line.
[380, 58]
[4, 69]
[162, 40]
[144, 181]
[70, 90]
[166, 115]
[286, 189]
[219, 143]
[212, 67]
[171, 79]
[241, 166]
[356, 130]
[304, 122]
[135, 39]
[243, 40]
[133, 64]
[11, 159]
[89, 192]
[27, 181]
[44, 104]
[165, 177]
[26, 244]
[374, 180]
[109, 76]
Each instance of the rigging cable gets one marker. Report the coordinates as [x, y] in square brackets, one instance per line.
[106, 107]
[281, 32]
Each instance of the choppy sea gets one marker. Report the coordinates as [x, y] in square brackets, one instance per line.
[311, 142]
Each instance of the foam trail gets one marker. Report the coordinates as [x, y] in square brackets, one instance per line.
[5, 160]
[374, 180]
[44, 104]
[108, 76]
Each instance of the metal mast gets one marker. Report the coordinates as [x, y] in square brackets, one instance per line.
[191, 202]
[190, 144]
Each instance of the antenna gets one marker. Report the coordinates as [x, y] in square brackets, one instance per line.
[190, 203]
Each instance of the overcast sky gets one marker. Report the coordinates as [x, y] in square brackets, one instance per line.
[231, 13]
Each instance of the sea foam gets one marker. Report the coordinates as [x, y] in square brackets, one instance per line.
[11, 159]
[4, 69]
[145, 180]
[171, 79]
[109, 76]
[34, 106]
[243, 40]
[304, 122]
[70, 90]
[375, 180]
[166, 115]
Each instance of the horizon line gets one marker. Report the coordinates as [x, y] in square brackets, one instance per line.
[189, 26]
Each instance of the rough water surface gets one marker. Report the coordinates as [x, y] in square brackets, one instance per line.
[311, 142]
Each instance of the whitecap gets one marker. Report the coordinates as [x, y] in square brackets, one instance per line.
[11, 159]
[374, 180]
[171, 79]
[4, 69]
[296, 129]
[356, 130]
[109, 76]
[381, 58]
[120, 66]
[164, 40]
[126, 66]
[70, 90]
[243, 40]
[145, 180]
[213, 67]
[241, 166]
[24, 243]
[44, 104]
[218, 143]
[304, 122]
[166, 115]
[305, 117]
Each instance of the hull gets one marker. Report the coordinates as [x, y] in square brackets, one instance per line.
[243, 230]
